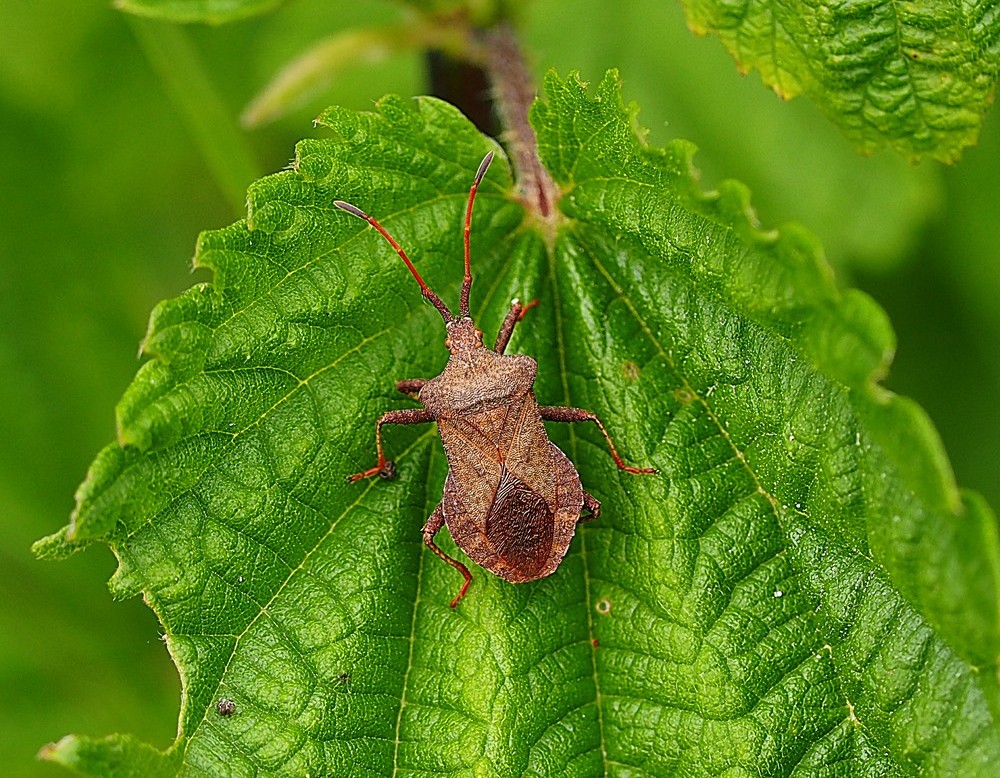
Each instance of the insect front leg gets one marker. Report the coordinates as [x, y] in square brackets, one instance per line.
[411, 386]
[434, 523]
[514, 315]
[386, 468]
[558, 413]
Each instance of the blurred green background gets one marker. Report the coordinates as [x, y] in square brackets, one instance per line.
[105, 188]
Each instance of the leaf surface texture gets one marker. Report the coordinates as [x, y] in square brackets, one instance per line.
[770, 603]
[913, 76]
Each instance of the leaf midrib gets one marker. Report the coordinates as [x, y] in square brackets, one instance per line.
[588, 599]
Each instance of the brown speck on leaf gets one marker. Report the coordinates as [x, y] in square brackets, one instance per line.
[630, 369]
[225, 707]
[684, 396]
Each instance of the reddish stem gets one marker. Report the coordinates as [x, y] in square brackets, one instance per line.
[513, 93]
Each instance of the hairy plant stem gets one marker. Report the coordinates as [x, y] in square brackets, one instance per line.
[491, 84]
[513, 93]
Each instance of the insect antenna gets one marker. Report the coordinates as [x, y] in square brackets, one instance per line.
[427, 292]
[463, 308]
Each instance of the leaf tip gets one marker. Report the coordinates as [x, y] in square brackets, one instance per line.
[58, 545]
[65, 751]
[115, 756]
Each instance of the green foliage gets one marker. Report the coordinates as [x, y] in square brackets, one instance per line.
[737, 612]
[868, 211]
[219, 11]
[916, 77]
[212, 11]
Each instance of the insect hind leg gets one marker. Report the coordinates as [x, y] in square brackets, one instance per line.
[592, 506]
[434, 523]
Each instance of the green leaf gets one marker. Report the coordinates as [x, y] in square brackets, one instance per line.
[802, 590]
[220, 11]
[210, 11]
[914, 77]
[870, 212]
[117, 756]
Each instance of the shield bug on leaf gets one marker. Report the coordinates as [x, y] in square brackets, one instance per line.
[512, 499]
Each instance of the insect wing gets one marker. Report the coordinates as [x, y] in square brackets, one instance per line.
[520, 526]
[512, 499]
[523, 534]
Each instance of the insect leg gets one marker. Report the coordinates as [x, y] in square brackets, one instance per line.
[514, 315]
[411, 386]
[386, 468]
[557, 413]
[592, 505]
[434, 523]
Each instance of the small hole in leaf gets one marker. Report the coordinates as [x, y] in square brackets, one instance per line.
[603, 606]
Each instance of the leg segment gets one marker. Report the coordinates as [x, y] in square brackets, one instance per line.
[434, 523]
[557, 413]
[410, 386]
[514, 315]
[386, 468]
[591, 505]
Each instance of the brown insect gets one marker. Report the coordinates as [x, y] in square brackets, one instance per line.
[225, 707]
[511, 498]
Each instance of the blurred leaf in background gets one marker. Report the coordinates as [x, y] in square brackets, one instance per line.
[104, 192]
[105, 189]
[94, 225]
